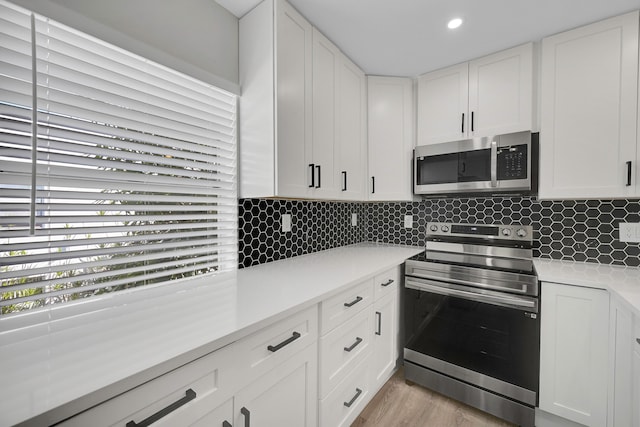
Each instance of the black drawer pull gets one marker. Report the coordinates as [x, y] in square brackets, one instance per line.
[387, 283]
[379, 315]
[226, 424]
[462, 122]
[354, 345]
[294, 337]
[344, 180]
[352, 303]
[247, 416]
[189, 396]
[628, 174]
[353, 399]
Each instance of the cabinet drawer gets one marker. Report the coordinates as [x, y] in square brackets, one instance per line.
[345, 305]
[349, 398]
[386, 283]
[343, 348]
[265, 349]
[209, 377]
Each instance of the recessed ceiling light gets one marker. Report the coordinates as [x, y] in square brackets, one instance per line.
[454, 23]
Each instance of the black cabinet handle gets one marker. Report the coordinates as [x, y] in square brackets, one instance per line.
[312, 167]
[472, 121]
[247, 416]
[353, 399]
[462, 122]
[226, 424]
[354, 345]
[387, 283]
[628, 173]
[189, 396]
[318, 169]
[373, 184]
[288, 341]
[354, 302]
[344, 180]
[379, 331]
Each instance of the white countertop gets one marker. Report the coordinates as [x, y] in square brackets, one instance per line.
[622, 282]
[60, 361]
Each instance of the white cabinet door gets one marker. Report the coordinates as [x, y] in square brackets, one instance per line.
[621, 360]
[293, 101]
[501, 92]
[443, 99]
[589, 110]
[385, 339]
[636, 385]
[275, 61]
[326, 57]
[573, 353]
[285, 396]
[350, 171]
[390, 136]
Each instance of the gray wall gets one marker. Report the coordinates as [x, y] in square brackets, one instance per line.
[197, 37]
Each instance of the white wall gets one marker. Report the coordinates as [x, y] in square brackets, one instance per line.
[197, 37]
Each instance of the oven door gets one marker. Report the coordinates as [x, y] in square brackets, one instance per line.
[485, 338]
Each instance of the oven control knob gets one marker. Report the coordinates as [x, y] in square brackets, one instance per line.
[444, 228]
[521, 232]
[506, 232]
[434, 227]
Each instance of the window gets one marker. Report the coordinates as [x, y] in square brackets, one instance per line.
[115, 172]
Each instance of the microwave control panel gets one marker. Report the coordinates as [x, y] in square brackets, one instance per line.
[513, 162]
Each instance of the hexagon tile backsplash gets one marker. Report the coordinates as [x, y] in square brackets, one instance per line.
[579, 230]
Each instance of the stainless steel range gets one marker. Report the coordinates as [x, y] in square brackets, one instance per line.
[472, 327]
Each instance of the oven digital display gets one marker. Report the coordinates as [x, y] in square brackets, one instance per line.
[484, 230]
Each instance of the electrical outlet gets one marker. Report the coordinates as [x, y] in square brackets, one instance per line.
[408, 221]
[354, 219]
[286, 223]
[629, 232]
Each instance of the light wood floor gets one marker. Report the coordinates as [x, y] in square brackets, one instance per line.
[398, 404]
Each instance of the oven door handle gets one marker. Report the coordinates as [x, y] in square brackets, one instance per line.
[501, 300]
[522, 290]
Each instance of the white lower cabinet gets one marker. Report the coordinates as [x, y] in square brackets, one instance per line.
[342, 406]
[358, 346]
[285, 396]
[574, 353]
[385, 338]
[204, 387]
[621, 364]
[636, 383]
[268, 378]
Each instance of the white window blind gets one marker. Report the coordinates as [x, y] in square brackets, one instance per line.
[129, 178]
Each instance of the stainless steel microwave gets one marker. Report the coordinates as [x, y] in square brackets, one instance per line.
[499, 164]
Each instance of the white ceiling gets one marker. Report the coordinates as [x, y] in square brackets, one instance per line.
[410, 37]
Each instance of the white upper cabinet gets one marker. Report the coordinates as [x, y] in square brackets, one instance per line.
[501, 92]
[326, 57]
[275, 106]
[487, 96]
[390, 136]
[351, 138]
[443, 104]
[302, 112]
[339, 120]
[589, 111]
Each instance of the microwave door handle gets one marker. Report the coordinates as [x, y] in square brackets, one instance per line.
[494, 164]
